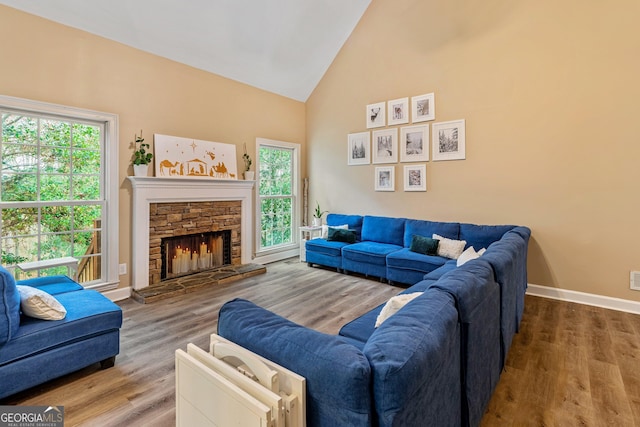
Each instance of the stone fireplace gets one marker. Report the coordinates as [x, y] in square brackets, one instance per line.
[204, 209]
[190, 237]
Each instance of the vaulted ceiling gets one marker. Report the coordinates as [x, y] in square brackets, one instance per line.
[282, 46]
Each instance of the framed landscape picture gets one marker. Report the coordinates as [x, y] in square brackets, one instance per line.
[376, 115]
[423, 108]
[398, 111]
[385, 146]
[358, 150]
[415, 178]
[448, 140]
[414, 143]
[385, 178]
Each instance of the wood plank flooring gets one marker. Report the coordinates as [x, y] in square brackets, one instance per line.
[570, 365]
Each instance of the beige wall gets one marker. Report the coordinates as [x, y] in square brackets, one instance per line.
[549, 91]
[45, 61]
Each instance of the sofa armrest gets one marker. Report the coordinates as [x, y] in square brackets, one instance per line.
[338, 375]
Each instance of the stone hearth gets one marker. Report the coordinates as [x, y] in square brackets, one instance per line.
[183, 285]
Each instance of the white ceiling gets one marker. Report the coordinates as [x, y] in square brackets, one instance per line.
[282, 46]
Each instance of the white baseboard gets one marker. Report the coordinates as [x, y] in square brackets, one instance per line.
[584, 298]
[276, 256]
[118, 294]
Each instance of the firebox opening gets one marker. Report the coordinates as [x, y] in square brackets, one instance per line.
[193, 253]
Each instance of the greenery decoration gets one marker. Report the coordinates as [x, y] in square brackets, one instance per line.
[247, 159]
[318, 212]
[140, 154]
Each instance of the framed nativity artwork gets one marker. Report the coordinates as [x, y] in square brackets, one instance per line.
[192, 158]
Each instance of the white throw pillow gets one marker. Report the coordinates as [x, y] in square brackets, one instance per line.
[482, 251]
[325, 229]
[467, 255]
[39, 304]
[449, 248]
[394, 305]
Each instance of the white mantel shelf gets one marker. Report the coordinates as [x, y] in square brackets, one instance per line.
[147, 190]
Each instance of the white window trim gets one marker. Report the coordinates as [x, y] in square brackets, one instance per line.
[110, 217]
[284, 251]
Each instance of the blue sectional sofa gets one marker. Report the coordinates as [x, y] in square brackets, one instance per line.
[33, 351]
[436, 361]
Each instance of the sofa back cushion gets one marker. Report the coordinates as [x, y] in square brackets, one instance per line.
[383, 229]
[338, 375]
[9, 306]
[353, 222]
[481, 236]
[418, 227]
[415, 364]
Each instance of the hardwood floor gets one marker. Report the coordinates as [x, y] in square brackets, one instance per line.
[570, 364]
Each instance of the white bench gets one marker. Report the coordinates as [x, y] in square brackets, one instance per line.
[70, 262]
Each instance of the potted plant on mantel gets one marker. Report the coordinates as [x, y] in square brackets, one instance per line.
[317, 215]
[249, 175]
[141, 157]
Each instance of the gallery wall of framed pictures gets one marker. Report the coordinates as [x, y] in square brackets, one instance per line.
[388, 141]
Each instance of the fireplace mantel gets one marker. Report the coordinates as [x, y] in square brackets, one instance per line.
[147, 190]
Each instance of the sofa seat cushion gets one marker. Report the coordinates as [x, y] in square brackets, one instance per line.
[361, 328]
[421, 286]
[52, 285]
[369, 252]
[340, 398]
[331, 248]
[418, 227]
[89, 313]
[481, 236]
[405, 258]
[438, 272]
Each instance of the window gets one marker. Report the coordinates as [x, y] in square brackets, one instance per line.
[55, 195]
[277, 198]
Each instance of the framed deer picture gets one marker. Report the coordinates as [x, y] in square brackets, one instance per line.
[177, 157]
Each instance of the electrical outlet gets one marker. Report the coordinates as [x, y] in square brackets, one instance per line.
[635, 280]
[122, 269]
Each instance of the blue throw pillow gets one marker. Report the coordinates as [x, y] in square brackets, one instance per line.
[424, 245]
[341, 235]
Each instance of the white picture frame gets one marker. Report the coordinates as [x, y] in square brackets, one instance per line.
[415, 178]
[414, 143]
[423, 108]
[376, 115]
[179, 157]
[449, 142]
[384, 146]
[398, 110]
[385, 178]
[359, 148]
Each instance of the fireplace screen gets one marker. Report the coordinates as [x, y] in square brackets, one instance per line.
[182, 255]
